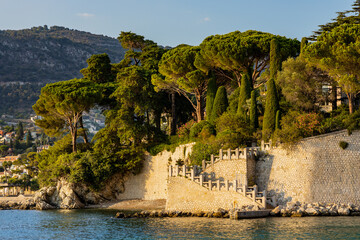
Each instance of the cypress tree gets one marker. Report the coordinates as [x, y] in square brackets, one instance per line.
[254, 122]
[271, 106]
[275, 59]
[245, 93]
[277, 121]
[303, 44]
[220, 104]
[210, 96]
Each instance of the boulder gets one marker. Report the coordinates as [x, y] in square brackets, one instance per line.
[312, 211]
[344, 211]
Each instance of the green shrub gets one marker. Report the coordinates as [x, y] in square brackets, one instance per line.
[197, 128]
[295, 126]
[183, 132]
[202, 151]
[343, 144]
[232, 131]
[352, 122]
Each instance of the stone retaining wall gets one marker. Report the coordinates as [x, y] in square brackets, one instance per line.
[185, 195]
[151, 183]
[315, 170]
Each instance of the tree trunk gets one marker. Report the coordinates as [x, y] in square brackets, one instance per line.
[173, 115]
[73, 132]
[157, 119]
[351, 104]
[199, 109]
[83, 131]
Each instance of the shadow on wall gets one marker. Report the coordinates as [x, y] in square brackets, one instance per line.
[265, 181]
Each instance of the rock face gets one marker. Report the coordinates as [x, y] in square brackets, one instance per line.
[74, 196]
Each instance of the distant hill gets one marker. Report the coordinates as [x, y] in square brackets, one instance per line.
[43, 54]
[30, 58]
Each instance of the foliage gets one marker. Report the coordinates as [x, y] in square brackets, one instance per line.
[343, 144]
[181, 76]
[301, 84]
[183, 131]
[245, 93]
[210, 96]
[234, 101]
[277, 121]
[220, 104]
[99, 69]
[232, 131]
[337, 53]
[62, 104]
[239, 52]
[335, 120]
[275, 58]
[254, 121]
[201, 127]
[295, 126]
[271, 106]
[202, 151]
[352, 122]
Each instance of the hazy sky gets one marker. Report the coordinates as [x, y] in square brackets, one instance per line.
[170, 22]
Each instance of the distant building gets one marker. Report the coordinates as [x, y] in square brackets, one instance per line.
[42, 148]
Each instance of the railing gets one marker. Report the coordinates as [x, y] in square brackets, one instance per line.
[209, 181]
[243, 153]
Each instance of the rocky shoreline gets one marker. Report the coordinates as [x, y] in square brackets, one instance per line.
[315, 209]
[289, 210]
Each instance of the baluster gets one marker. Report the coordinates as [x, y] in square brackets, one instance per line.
[192, 173]
[210, 184]
[218, 184]
[237, 153]
[229, 153]
[220, 154]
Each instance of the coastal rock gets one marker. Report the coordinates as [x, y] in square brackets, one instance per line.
[42, 205]
[275, 211]
[312, 212]
[344, 211]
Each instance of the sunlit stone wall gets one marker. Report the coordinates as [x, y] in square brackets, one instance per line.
[315, 170]
[151, 183]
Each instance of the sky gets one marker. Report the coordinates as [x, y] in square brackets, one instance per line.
[171, 22]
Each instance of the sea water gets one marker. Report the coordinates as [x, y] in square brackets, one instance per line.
[101, 224]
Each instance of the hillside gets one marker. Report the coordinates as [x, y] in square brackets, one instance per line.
[43, 54]
[36, 56]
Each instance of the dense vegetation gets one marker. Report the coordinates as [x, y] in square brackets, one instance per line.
[259, 86]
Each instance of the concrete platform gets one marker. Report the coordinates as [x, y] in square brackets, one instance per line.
[250, 214]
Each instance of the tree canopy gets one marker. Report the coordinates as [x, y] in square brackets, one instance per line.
[242, 52]
[62, 104]
[338, 52]
[181, 76]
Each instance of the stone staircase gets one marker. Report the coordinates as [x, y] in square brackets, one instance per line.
[198, 175]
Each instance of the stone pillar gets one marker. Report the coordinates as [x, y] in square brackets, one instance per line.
[221, 154]
[246, 153]
[218, 184]
[237, 153]
[170, 171]
[184, 170]
[210, 184]
[264, 199]
[212, 159]
[192, 174]
[201, 179]
[226, 185]
[176, 170]
[203, 165]
[262, 145]
[229, 153]
[235, 185]
[254, 192]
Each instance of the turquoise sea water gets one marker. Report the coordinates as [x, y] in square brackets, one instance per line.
[96, 224]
